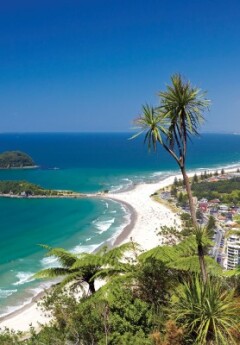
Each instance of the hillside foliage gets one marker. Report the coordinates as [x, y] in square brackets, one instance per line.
[226, 191]
[151, 298]
[15, 159]
[18, 187]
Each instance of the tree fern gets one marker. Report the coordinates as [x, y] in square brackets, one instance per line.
[86, 267]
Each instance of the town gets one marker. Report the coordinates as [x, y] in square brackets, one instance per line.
[217, 202]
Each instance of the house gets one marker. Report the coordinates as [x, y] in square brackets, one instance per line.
[213, 210]
[214, 201]
[204, 200]
[203, 205]
[229, 216]
[213, 179]
[223, 208]
[221, 218]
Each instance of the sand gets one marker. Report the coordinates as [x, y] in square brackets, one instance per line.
[147, 218]
[149, 215]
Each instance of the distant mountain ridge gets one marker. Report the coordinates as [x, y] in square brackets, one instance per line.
[15, 159]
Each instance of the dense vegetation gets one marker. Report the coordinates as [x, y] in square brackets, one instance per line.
[227, 191]
[18, 187]
[15, 159]
[153, 298]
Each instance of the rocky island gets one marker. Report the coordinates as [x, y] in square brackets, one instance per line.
[16, 160]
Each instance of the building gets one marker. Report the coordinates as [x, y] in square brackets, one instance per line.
[223, 208]
[232, 258]
[203, 205]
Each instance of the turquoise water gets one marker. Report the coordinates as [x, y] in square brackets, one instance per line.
[79, 225]
[87, 163]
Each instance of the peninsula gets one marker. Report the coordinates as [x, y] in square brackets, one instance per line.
[16, 160]
[25, 189]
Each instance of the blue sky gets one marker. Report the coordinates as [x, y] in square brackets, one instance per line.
[89, 65]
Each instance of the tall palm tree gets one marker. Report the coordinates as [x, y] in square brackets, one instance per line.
[183, 105]
[178, 117]
[172, 124]
[209, 313]
[86, 267]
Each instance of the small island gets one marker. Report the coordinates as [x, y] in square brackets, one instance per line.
[24, 189]
[16, 160]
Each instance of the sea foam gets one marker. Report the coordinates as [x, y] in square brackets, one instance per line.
[103, 225]
[23, 277]
[125, 184]
[85, 249]
[6, 293]
[50, 261]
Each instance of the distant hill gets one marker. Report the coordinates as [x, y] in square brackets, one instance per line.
[24, 188]
[27, 189]
[15, 159]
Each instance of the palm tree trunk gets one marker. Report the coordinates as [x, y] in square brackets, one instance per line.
[189, 193]
[195, 224]
[202, 263]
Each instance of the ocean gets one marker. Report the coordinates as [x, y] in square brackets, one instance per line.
[86, 162]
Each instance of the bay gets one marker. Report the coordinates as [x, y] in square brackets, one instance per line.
[87, 162]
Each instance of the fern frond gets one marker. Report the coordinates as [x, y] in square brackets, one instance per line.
[87, 259]
[118, 253]
[51, 272]
[113, 271]
[73, 277]
[66, 258]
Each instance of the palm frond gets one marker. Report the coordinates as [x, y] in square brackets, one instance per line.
[65, 257]
[88, 259]
[117, 253]
[162, 253]
[184, 106]
[113, 271]
[75, 279]
[183, 256]
[191, 264]
[51, 272]
[153, 124]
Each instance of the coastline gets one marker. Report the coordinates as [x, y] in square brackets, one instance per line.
[136, 229]
[64, 196]
[21, 318]
[10, 320]
[29, 312]
[146, 218]
[21, 168]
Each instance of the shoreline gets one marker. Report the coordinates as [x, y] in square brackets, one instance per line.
[66, 196]
[29, 312]
[145, 215]
[21, 168]
[24, 308]
[126, 232]
[117, 241]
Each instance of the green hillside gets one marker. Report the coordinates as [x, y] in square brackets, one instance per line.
[15, 159]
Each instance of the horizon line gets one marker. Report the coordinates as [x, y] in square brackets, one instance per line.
[104, 132]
